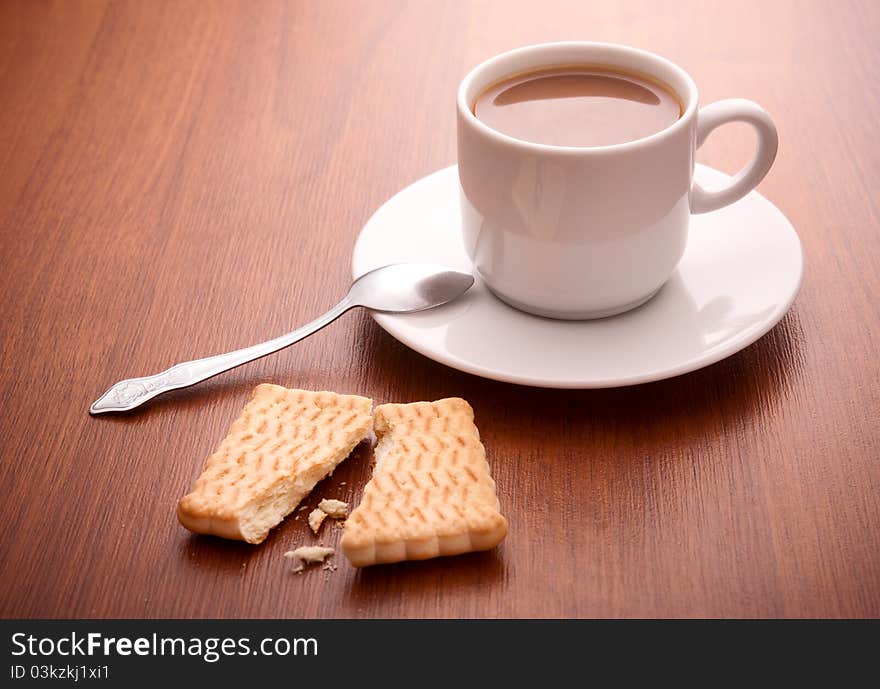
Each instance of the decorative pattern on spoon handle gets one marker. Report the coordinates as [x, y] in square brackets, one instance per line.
[127, 394]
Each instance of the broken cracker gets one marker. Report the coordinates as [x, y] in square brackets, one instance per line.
[431, 492]
[281, 445]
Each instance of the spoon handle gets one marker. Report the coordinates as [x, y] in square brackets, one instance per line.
[133, 392]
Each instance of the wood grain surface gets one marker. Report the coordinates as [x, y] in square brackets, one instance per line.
[183, 178]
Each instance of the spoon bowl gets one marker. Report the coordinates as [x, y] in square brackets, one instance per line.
[408, 287]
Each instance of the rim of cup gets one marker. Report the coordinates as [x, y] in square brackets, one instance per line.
[655, 67]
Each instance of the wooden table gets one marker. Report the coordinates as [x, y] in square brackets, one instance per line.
[184, 178]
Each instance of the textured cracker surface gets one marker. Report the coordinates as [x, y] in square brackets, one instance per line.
[431, 492]
[282, 439]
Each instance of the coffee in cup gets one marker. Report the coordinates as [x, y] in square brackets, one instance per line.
[578, 105]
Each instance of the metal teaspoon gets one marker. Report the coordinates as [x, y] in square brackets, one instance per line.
[398, 288]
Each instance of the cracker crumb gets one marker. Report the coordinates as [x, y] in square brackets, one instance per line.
[337, 509]
[304, 507]
[316, 518]
[308, 555]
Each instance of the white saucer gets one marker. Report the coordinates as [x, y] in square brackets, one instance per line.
[739, 275]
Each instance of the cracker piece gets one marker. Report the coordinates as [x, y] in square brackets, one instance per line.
[431, 492]
[281, 445]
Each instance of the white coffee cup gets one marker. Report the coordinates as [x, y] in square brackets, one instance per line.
[586, 232]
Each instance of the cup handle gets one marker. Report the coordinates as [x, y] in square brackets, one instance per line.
[735, 110]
